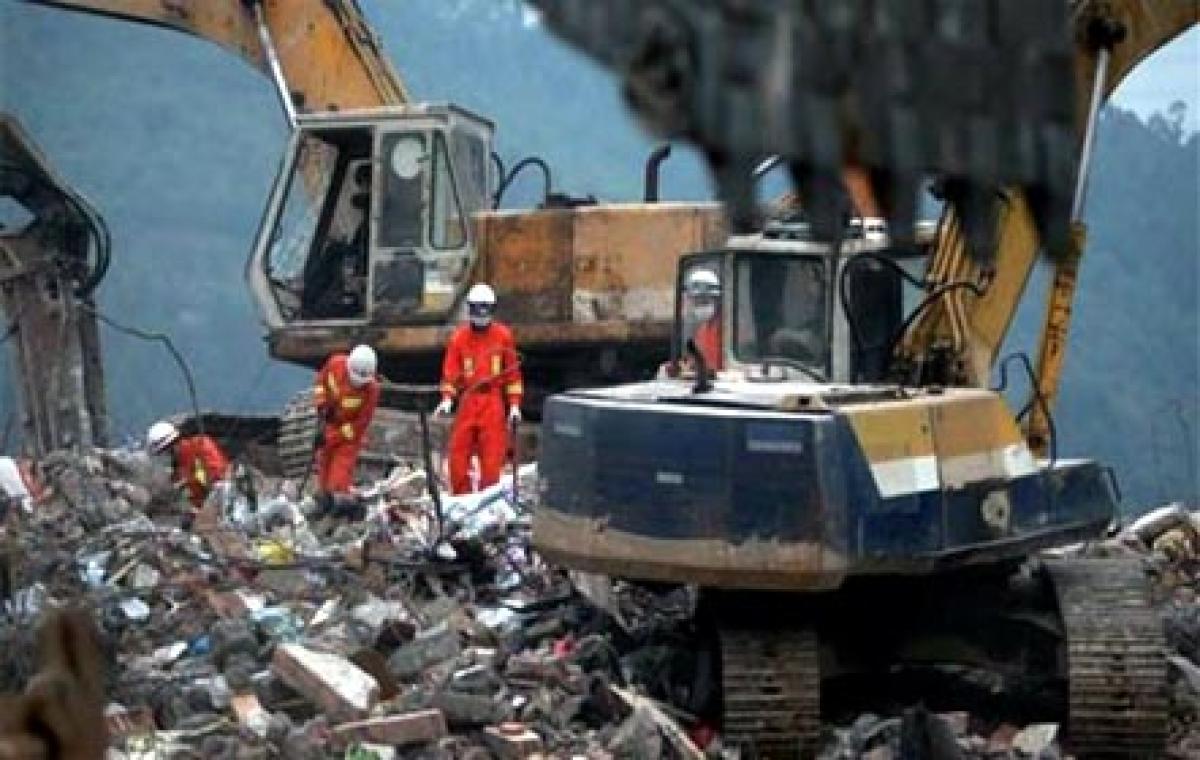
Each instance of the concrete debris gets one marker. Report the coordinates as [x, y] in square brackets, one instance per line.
[512, 741]
[270, 630]
[418, 727]
[336, 685]
[1035, 740]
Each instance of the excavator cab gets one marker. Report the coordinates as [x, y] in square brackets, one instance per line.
[369, 222]
[786, 306]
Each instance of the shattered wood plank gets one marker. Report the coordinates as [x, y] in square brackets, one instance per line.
[670, 729]
[408, 728]
[339, 687]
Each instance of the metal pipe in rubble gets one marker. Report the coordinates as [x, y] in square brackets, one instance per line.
[281, 88]
[653, 168]
[430, 476]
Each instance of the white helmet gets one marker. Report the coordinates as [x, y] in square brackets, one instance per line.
[703, 283]
[161, 435]
[481, 293]
[481, 302]
[360, 365]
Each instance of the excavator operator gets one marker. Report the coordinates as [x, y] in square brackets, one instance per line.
[703, 290]
[335, 280]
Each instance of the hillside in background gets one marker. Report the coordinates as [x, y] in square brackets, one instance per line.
[177, 142]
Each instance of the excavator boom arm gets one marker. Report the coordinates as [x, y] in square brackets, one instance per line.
[330, 57]
[977, 326]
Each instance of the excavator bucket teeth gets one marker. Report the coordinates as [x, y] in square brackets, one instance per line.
[979, 91]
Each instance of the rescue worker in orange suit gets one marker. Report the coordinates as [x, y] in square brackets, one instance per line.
[346, 395]
[197, 461]
[480, 371]
[703, 289]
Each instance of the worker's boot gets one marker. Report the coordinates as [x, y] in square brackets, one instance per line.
[348, 507]
[322, 505]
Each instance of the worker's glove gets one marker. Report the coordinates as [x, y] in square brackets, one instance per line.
[444, 409]
[514, 414]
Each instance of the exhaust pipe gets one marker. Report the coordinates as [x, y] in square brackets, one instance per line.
[653, 164]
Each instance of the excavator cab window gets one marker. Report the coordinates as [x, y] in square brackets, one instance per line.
[403, 189]
[447, 227]
[319, 248]
[876, 310]
[878, 300]
[781, 310]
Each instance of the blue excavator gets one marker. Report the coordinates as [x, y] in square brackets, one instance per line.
[824, 457]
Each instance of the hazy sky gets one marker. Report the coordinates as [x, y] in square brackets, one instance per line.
[1172, 73]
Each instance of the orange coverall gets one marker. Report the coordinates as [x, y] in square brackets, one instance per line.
[708, 340]
[480, 368]
[346, 412]
[199, 462]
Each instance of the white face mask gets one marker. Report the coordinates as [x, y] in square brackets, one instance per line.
[479, 323]
[705, 311]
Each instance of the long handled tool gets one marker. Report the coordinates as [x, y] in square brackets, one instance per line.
[516, 463]
[430, 474]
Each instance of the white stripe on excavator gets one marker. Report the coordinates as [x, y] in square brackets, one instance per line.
[898, 477]
[909, 475]
[1008, 463]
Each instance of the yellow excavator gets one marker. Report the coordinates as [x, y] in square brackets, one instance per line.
[383, 213]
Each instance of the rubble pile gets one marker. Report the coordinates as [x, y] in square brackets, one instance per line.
[266, 630]
[269, 629]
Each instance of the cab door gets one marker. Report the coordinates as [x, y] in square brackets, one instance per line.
[432, 176]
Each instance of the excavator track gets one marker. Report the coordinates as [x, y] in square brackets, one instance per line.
[771, 688]
[1115, 658]
[297, 431]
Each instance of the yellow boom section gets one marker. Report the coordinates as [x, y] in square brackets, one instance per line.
[329, 55]
[973, 327]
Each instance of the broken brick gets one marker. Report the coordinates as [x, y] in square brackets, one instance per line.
[339, 687]
[250, 713]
